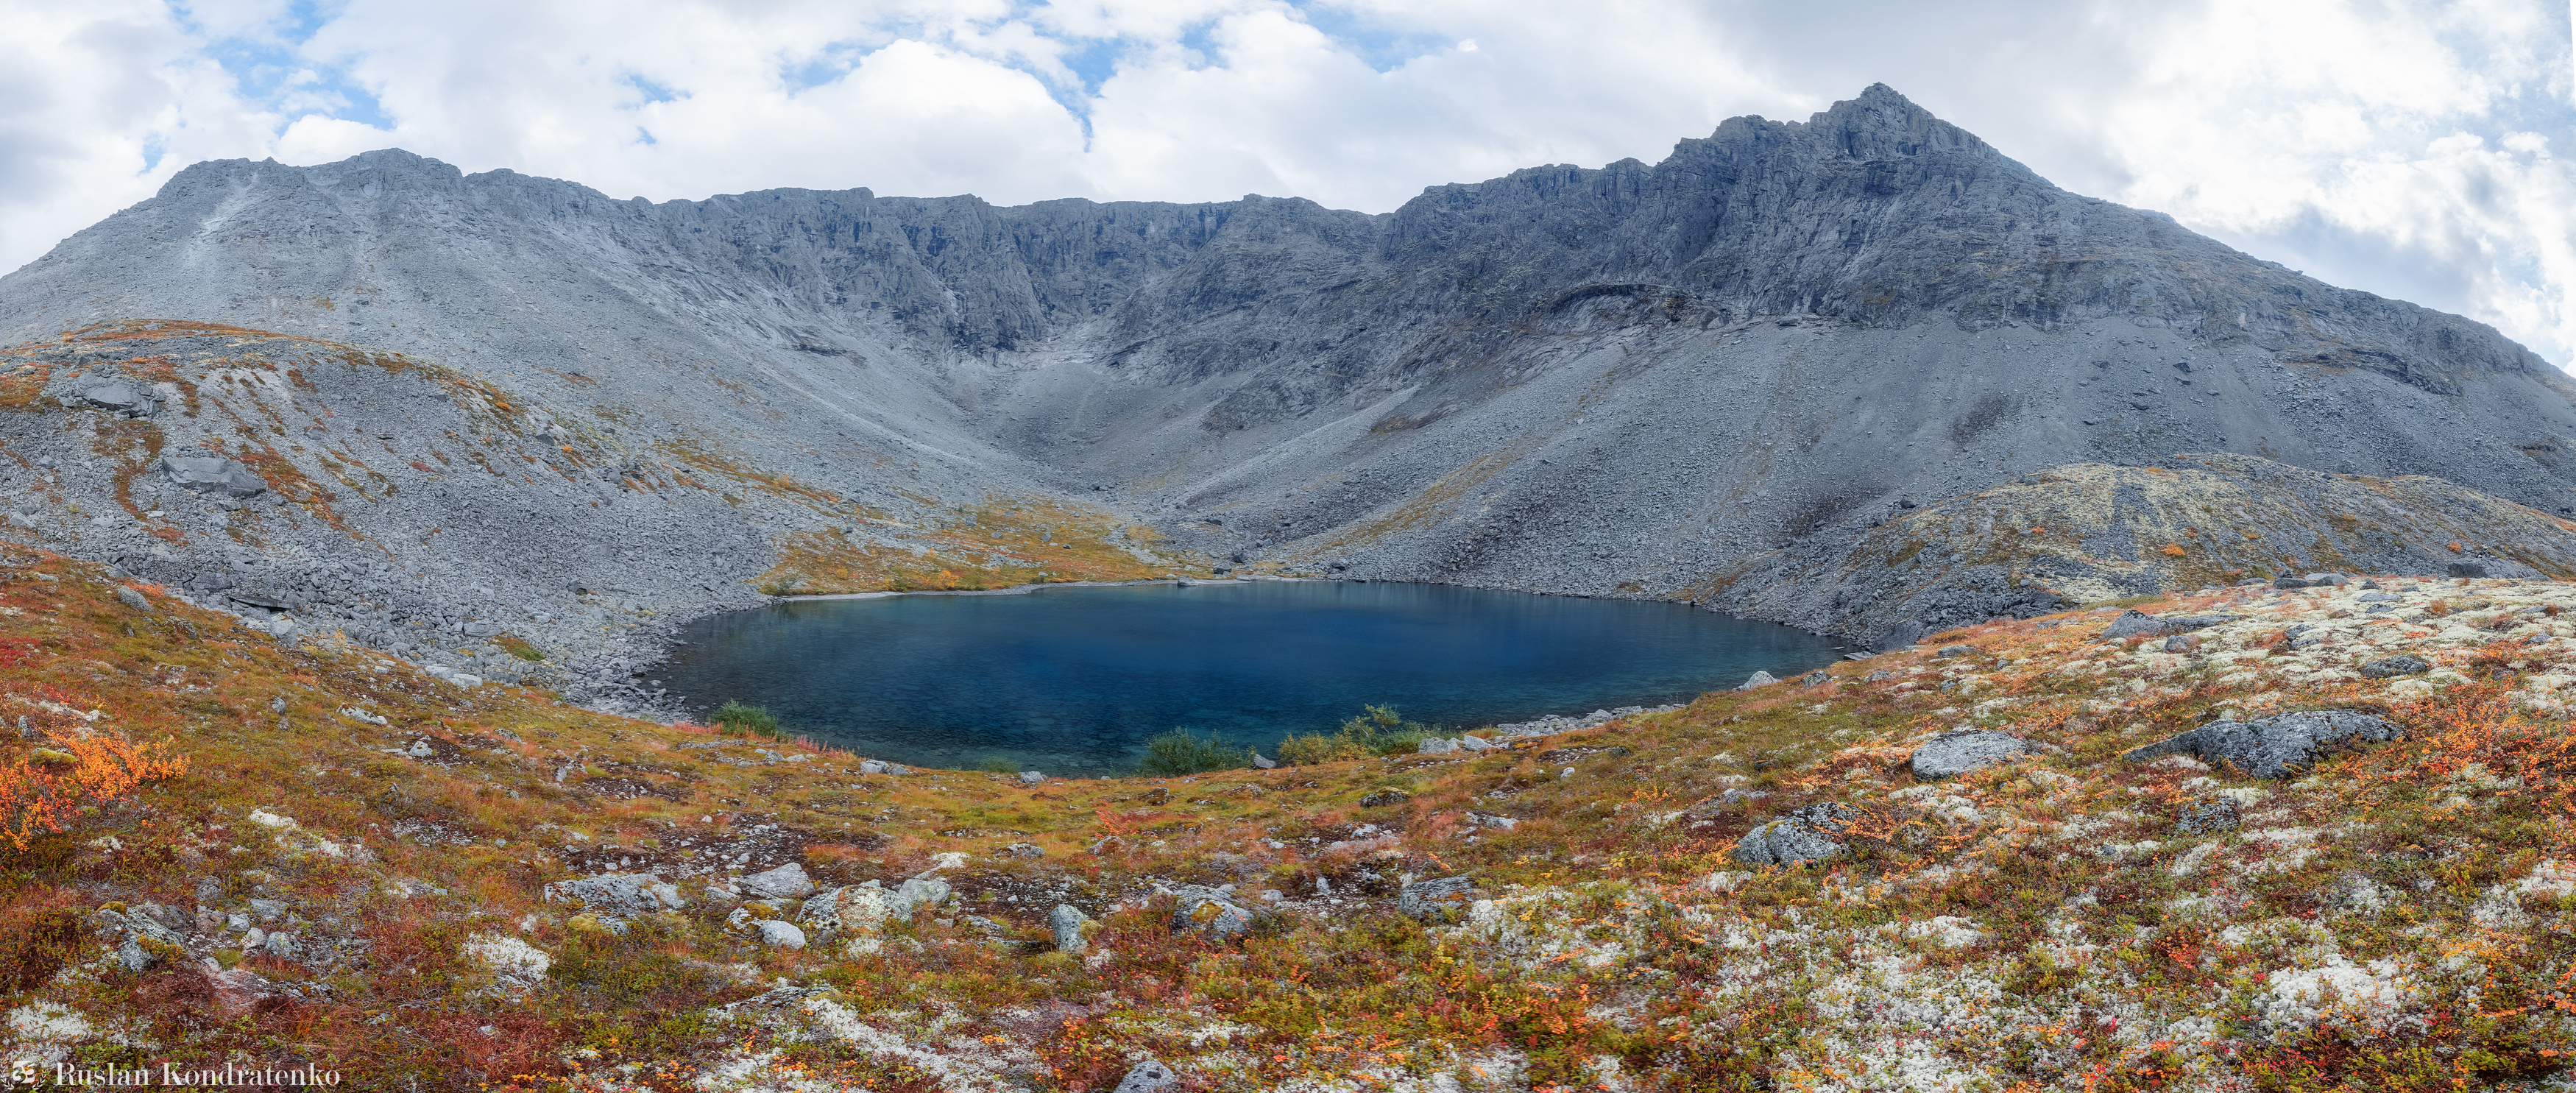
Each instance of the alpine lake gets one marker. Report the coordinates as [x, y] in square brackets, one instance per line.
[1073, 680]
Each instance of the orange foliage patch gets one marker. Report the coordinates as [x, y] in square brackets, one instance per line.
[45, 793]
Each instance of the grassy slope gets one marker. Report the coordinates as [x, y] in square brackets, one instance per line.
[2038, 926]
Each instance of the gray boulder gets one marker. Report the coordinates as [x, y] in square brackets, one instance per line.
[1207, 912]
[1067, 920]
[2401, 665]
[1808, 834]
[2322, 580]
[781, 935]
[1148, 1077]
[133, 599]
[1427, 897]
[1758, 679]
[2139, 624]
[1032, 778]
[785, 882]
[920, 894]
[1953, 754]
[210, 475]
[2468, 569]
[608, 893]
[1435, 745]
[2273, 747]
[123, 398]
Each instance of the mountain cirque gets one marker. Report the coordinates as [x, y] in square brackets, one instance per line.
[1636, 380]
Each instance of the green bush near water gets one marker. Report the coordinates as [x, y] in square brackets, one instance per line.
[1378, 730]
[734, 719]
[1181, 752]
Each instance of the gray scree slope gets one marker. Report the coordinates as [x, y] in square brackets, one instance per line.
[1613, 381]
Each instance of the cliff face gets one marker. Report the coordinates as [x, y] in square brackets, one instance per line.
[1633, 379]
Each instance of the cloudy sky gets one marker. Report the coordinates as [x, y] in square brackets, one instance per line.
[2419, 150]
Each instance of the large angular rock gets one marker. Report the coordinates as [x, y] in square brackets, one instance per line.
[608, 893]
[1953, 754]
[2139, 624]
[208, 474]
[1207, 912]
[785, 882]
[124, 399]
[2273, 747]
[1808, 834]
[1067, 922]
[1430, 897]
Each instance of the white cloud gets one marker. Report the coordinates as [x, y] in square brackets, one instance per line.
[2413, 148]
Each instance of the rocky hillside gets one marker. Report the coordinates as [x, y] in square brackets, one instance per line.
[2089, 533]
[1635, 379]
[317, 485]
[2303, 840]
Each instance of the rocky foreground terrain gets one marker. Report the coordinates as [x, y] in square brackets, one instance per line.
[1643, 380]
[2253, 838]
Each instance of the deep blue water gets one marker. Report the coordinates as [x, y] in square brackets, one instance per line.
[1074, 680]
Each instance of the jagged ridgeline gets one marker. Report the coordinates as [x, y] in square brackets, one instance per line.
[1638, 379]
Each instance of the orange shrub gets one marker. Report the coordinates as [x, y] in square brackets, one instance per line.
[2173, 550]
[45, 791]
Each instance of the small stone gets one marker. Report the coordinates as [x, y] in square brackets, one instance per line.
[1032, 778]
[1953, 754]
[134, 599]
[2208, 815]
[1148, 1077]
[2468, 569]
[1956, 651]
[1385, 797]
[2389, 667]
[1435, 745]
[1024, 850]
[1264, 762]
[1067, 922]
[1815, 678]
[785, 882]
[2182, 643]
[1474, 743]
[133, 957]
[783, 935]
[1758, 679]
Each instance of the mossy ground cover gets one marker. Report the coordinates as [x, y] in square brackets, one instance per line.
[2394, 918]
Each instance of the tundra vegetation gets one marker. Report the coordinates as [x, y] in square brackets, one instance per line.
[292, 851]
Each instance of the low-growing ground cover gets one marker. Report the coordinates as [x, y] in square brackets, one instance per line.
[351, 873]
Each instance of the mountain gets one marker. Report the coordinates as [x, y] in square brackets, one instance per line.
[1632, 380]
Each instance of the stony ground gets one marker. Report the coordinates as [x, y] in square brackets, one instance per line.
[353, 872]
